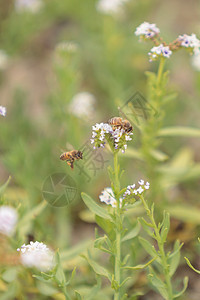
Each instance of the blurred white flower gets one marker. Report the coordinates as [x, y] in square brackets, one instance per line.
[37, 255]
[107, 196]
[2, 111]
[110, 6]
[8, 219]
[147, 30]
[196, 61]
[82, 105]
[3, 59]
[190, 41]
[159, 51]
[32, 6]
[67, 46]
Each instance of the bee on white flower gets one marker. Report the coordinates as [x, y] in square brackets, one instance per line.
[37, 255]
[8, 219]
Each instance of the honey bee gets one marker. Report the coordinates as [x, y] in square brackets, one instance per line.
[119, 123]
[71, 156]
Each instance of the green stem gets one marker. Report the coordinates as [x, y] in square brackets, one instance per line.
[117, 270]
[161, 249]
[160, 70]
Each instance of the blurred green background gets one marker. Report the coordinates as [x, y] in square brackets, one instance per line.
[68, 47]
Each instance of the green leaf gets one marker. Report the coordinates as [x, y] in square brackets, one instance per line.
[133, 153]
[95, 289]
[185, 284]
[185, 213]
[73, 252]
[165, 227]
[60, 276]
[132, 234]
[139, 267]
[4, 186]
[78, 296]
[29, 216]
[174, 260]
[107, 226]
[148, 247]
[159, 155]
[97, 268]
[179, 131]
[94, 207]
[158, 284]
[146, 226]
[191, 266]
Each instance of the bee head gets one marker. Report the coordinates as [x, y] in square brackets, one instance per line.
[80, 154]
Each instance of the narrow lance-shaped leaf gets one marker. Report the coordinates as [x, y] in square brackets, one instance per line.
[139, 267]
[185, 284]
[174, 261]
[165, 227]
[94, 207]
[158, 284]
[133, 233]
[191, 266]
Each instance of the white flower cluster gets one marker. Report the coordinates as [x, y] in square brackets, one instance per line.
[147, 30]
[36, 255]
[110, 6]
[8, 220]
[82, 105]
[98, 134]
[119, 136]
[190, 41]
[2, 111]
[159, 51]
[107, 196]
[32, 6]
[133, 191]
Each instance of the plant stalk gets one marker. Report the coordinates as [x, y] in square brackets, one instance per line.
[117, 270]
[161, 249]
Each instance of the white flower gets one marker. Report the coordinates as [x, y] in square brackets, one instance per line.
[110, 6]
[147, 30]
[37, 255]
[8, 219]
[32, 6]
[189, 41]
[141, 182]
[159, 51]
[3, 59]
[2, 111]
[108, 197]
[67, 46]
[98, 134]
[82, 105]
[131, 190]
